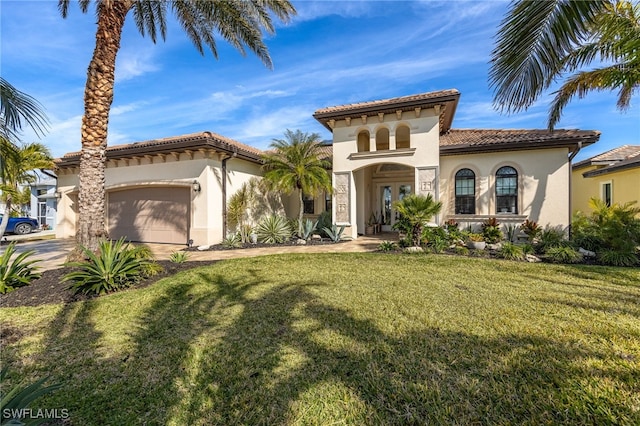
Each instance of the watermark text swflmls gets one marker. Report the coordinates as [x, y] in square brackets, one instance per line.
[32, 413]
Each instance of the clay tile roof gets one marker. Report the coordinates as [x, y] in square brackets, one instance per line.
[388, 102]
[193, 141]
[612, 156]
[630, 162]
[461, 141]
[448, 98]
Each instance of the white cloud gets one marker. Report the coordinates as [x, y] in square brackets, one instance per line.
[132, 64]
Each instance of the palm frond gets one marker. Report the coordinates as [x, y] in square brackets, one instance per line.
[18, 109]
[532, 41]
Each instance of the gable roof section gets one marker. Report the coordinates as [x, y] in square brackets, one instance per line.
[467, 141]
[611, 157]
[190, 142]
[445, 98]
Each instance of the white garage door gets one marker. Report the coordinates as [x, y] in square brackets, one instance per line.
[150, 215]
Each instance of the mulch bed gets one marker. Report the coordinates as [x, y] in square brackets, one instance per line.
[49, 289]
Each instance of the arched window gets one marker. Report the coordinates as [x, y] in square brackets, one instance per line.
[363, 141]
[465, 192]
[402, 137]
[507, 190]
[382, 139]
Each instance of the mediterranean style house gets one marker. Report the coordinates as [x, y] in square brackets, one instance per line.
[175, 190]
[613, 176]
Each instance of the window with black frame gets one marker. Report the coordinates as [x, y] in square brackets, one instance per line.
[309, 205]
[465, 192]
[507, 190]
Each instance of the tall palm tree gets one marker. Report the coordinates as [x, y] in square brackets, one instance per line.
[239, 22]
[541, 41]
[19, 166]
[417, 210]
[295, 164]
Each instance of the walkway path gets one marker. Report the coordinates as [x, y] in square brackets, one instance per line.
[53, 252]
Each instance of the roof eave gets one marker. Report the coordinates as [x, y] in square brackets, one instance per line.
[205, 141]
[516, 146]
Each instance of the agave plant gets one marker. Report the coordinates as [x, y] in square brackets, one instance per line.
[273, 230]
[308, 226]
[17, 273]
[334, 233]
[14, 405]
[116, 266]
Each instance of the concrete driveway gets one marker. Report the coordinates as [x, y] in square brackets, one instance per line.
[51, 252]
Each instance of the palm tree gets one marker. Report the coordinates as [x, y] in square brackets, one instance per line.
[19, 165]
[295, 164]
[16, 108]
[417, 210]
[239, 22]
[541, 41]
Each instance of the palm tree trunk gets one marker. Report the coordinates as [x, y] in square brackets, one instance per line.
[5, 216]
[98, 97]
[300, 213]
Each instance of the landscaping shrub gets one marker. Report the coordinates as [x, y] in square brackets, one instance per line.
[14, 404]
[510, 251]
[179, 257]
[387, 246]
[17, 273]
[550, 237]
[273, 230]
[531, 229]
[510, 232]
[609, 230]
[335, 232]
[491, 231]
[324, 221]
[308, 226]
[618, 257]
[231, 241]
[116, 266]
[563, 254]
[417, 210]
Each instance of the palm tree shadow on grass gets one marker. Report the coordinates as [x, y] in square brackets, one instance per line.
[292, 358]
[248, 351]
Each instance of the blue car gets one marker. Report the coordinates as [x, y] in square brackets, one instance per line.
[21, 225]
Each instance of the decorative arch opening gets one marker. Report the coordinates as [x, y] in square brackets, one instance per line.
[403, 137]
[382, 139]
[363, 141]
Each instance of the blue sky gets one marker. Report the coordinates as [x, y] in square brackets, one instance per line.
[332, 53]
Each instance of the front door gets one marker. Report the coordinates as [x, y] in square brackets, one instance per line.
[387, 194]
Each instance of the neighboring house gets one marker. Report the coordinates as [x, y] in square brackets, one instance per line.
[613, 176]
[44, 202]
[175, 189]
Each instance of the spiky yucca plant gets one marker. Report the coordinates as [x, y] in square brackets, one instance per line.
[18, 272]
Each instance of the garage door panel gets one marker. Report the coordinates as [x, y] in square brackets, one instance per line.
[158, 215]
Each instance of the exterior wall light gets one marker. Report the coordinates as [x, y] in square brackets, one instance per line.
[196, 186]
[58, 195]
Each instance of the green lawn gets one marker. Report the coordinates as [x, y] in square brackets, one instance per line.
[345, 339]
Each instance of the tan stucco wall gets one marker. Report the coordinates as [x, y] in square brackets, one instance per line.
[543, 179]
[206, 206]
[625, 187]
[424, 151]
